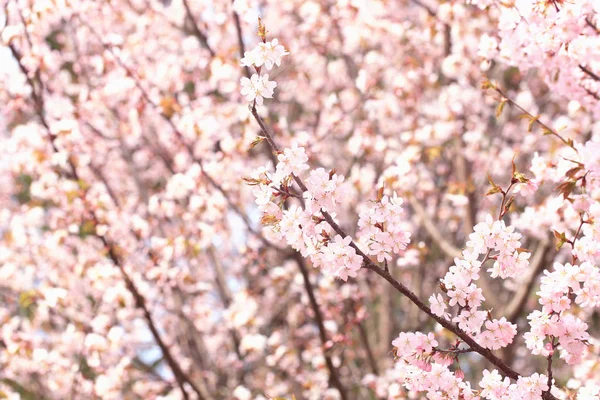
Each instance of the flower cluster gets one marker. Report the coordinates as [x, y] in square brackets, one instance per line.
[325, 190]
[498, 334]
[258, 87]
[511, 259]
[526, 388]
[382, 231]
[459, 286]
[424, 368]
[559, 38]
[266, 53]
[438, 383]
[304, 228]
[415, 348]
[558, 287]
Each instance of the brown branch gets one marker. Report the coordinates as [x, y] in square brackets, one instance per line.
[572, 242]
[334, 377]
[594, 95]
[202, 38]
[549, 367]
[425, 7]
[533, 118]
[365, 340]
[589, 72]
[447, 29]
[140, 301]
[589, 22]
[370, 265]
[463, 172]
[240, 38]
[195, 344]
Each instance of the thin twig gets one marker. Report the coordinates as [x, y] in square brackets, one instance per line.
[589, 72]
[202, 38]
[334, 377]
[240, 37]
[532, 117]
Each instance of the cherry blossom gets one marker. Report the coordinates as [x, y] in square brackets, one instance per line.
[257, 88]
[413, 214]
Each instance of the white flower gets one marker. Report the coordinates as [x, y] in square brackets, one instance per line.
[526, 189]
[250, 58]
[257, 88]
[272, 53]
[269, 54]
[253, 343]
[241, 393]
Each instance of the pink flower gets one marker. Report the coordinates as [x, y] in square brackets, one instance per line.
[292, 161]
[526, 189]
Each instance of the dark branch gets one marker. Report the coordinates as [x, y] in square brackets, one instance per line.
[202, 38]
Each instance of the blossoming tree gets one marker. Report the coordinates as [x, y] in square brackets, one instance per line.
[337, 200]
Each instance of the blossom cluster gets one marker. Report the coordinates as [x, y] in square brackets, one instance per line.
[416, 348]
[581, 282]
[382, 230]
[559, 38]
[494, 387]
[493, 235]
[304, 227]
[258, 86]
[461, 290]
[425, 365]
[265, 53]
[437, 381]
[425, 368]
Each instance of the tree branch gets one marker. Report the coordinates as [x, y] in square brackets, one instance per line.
[140, 301]
[365, 339]
[334, 377]
[370, 265]
[240, 37]
[590, 73]
[202, 38]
